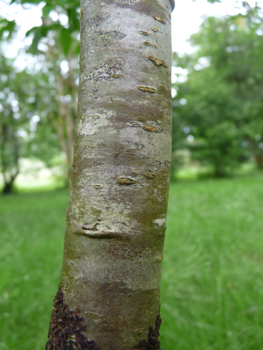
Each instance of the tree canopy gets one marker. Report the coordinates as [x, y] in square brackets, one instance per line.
[220, 103]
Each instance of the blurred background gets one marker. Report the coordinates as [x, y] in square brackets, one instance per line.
[212, 286]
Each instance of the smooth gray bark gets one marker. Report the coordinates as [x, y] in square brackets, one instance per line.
[116, 217]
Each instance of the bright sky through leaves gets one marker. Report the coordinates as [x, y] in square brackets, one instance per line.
[188, 16]
[186, 19]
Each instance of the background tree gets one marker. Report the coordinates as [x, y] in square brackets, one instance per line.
[26, 131]
[220, 104]
[211, 117]
[14, 124]
[59, 44]
[55, 47]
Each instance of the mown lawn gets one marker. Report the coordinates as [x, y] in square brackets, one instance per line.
[212, 287]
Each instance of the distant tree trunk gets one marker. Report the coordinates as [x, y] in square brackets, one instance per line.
[64, 121]
[259, 160]
[108, 297]
[8, 185]
[65, 129]
[9, 155]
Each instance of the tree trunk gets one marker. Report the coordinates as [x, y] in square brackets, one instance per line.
[9, 183]
[9, 155]
[8, 187]
[109, 290]
[259, 160]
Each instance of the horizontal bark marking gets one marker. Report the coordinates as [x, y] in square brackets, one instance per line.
[107, 71]
[104, 39]
[66, 327]
[142, 32]
[123, 180]
[159, 19]
[91, 231]
[147, 43]
[150, 128]
[154, 29]
[150, 175]
[157, 61]
[90, 227]
[149, 89]
[152, 111]
[94, 21]
[102, 234]
[97, 186]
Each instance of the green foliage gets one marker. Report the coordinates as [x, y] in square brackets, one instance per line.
[25, 128]
[66, 33]
[50, 91]
[65, 39]
[53, 3]
[47, 9]
[212, 118]
[12, 120]
[7, 27]
[43, 142]
[222, 97]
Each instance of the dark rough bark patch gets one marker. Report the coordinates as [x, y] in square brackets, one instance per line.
[66, 327]
[152, 343]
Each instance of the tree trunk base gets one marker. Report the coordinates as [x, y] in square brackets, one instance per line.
[259, 160]
[66, 327]
[8, 188]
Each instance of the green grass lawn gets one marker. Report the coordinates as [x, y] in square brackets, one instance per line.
[212, 286]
